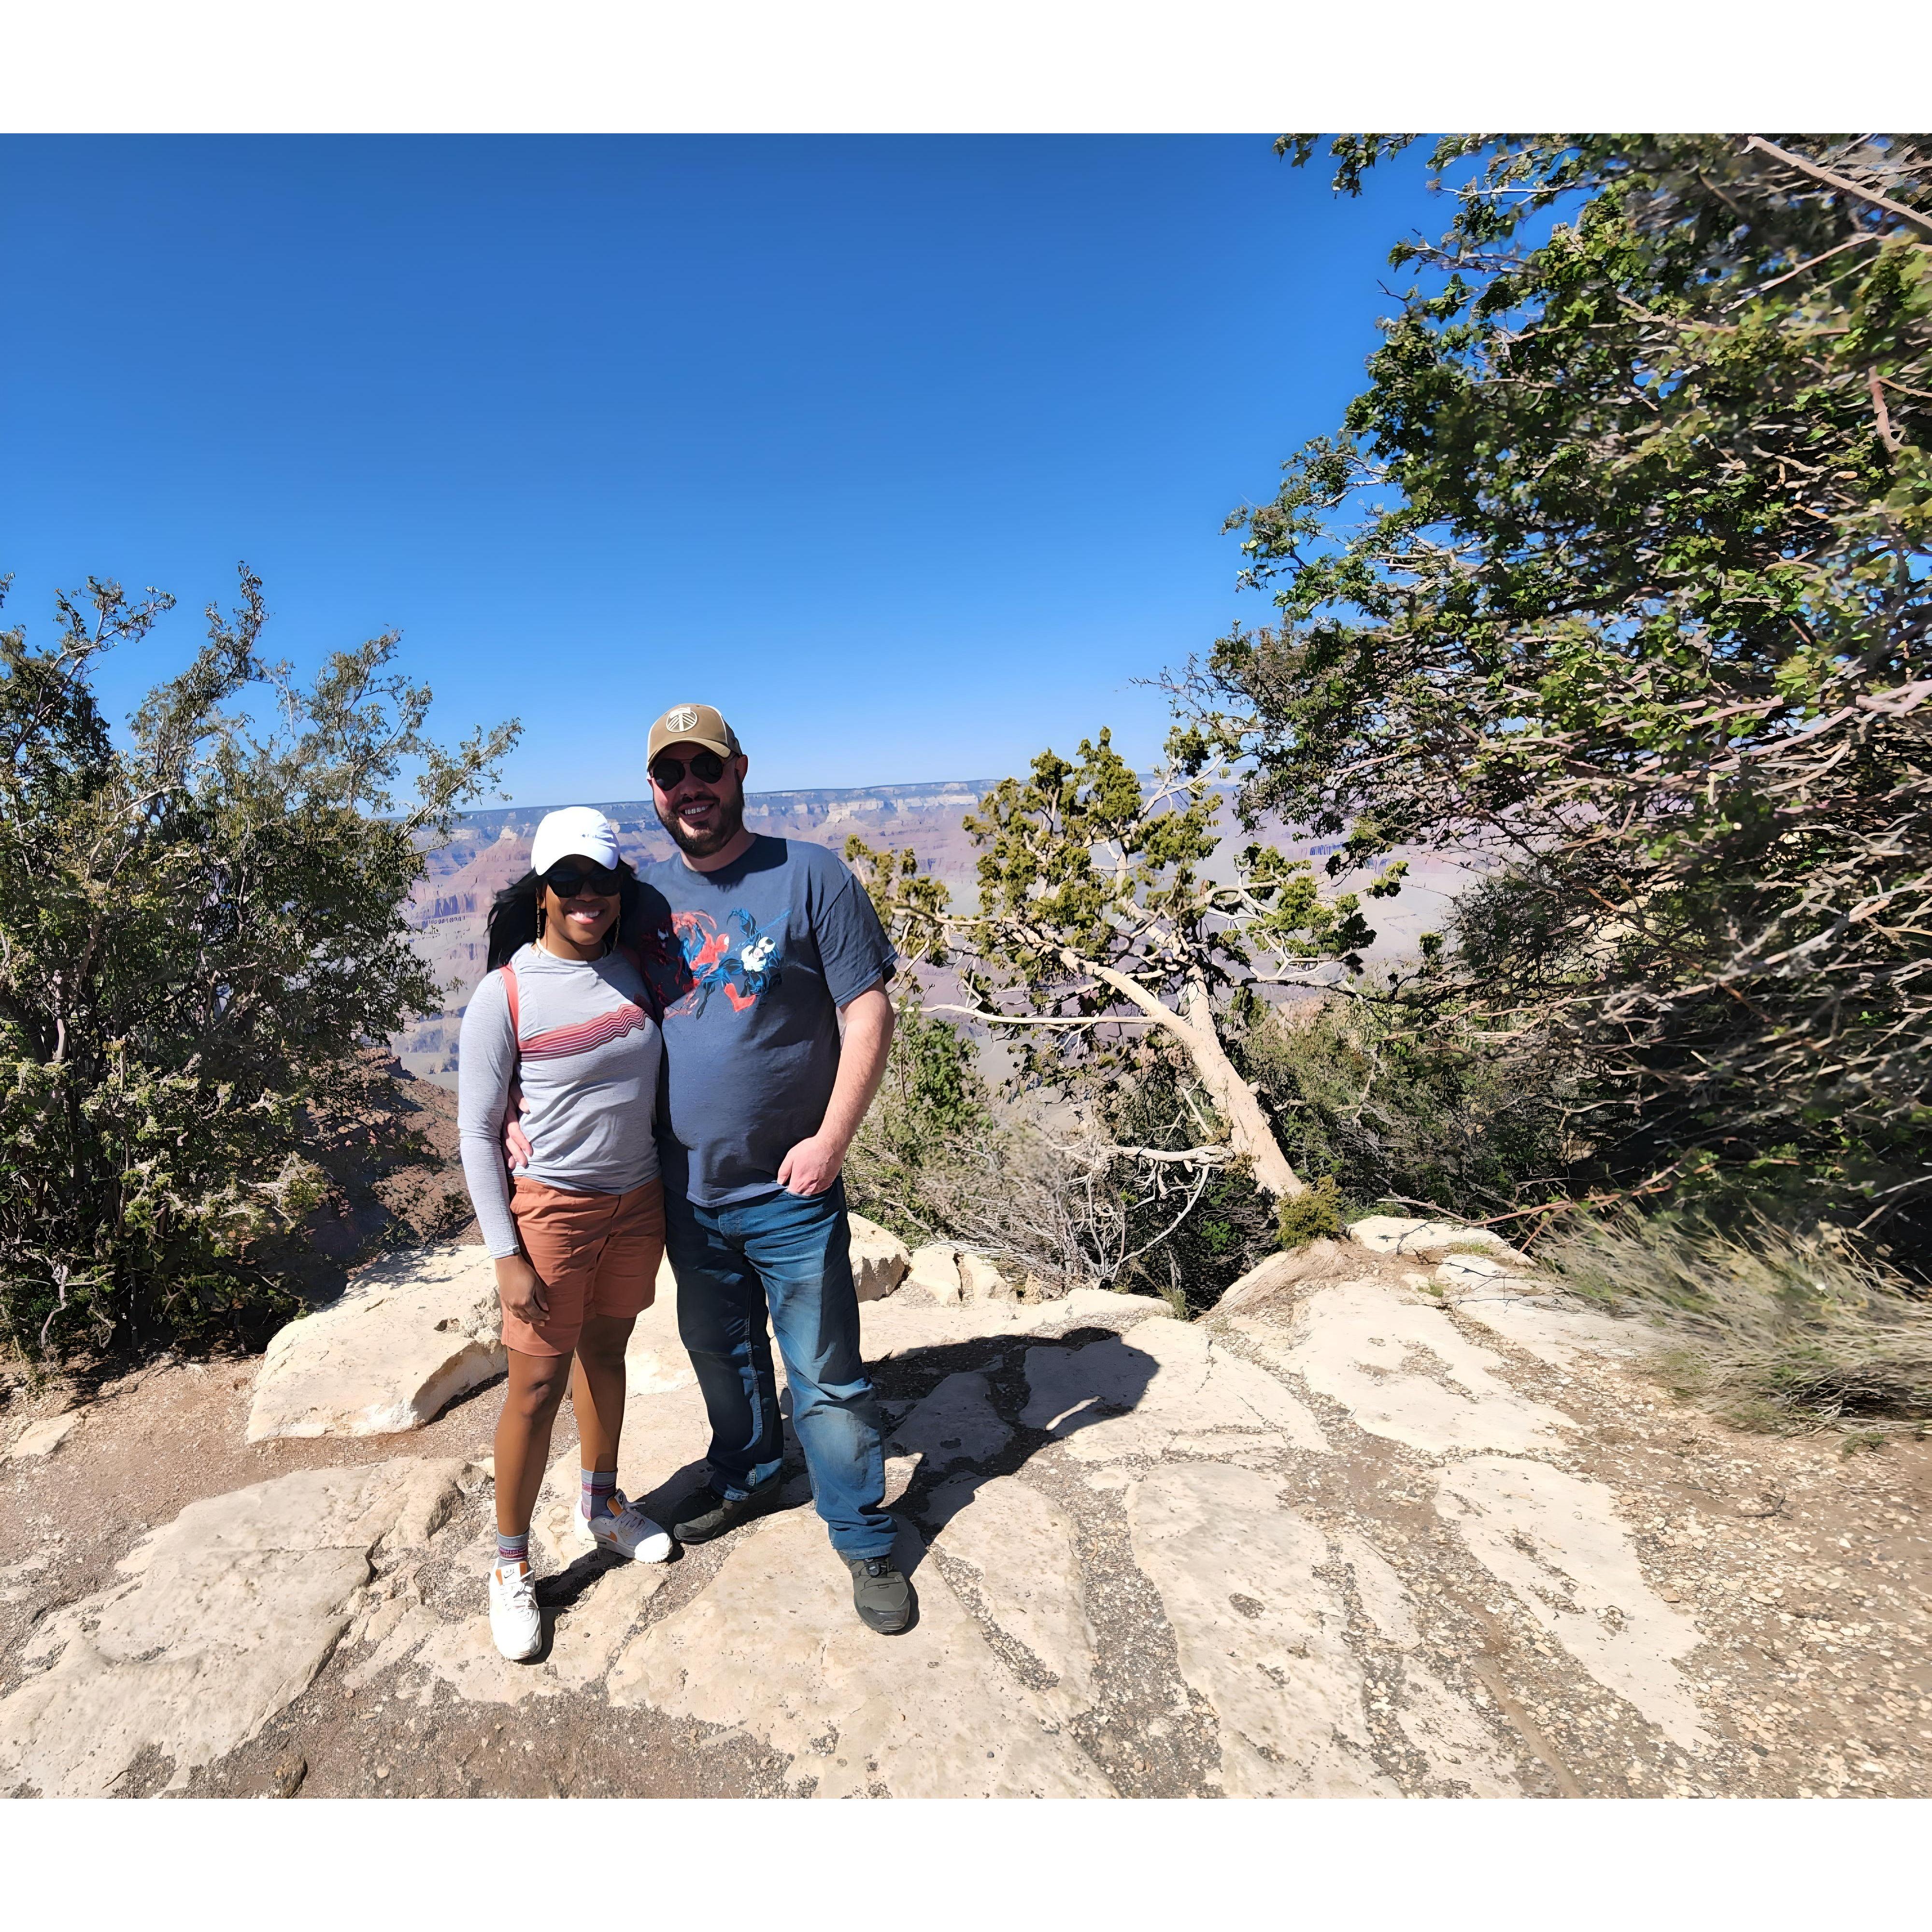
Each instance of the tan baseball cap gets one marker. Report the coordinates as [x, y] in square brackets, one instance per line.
[694, 724]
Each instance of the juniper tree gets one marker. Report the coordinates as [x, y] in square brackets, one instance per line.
[202, 935]
[1100, 916]
[1616, 573]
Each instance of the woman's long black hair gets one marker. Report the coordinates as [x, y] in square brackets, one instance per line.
[515, 919]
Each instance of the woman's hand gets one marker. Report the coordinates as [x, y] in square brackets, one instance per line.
[520, 1290]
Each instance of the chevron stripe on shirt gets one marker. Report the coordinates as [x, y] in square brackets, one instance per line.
[560, 1042]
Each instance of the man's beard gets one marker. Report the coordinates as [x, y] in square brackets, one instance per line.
[729, 822]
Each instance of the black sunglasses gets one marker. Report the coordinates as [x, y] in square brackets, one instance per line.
[568, 881]
[707, 767]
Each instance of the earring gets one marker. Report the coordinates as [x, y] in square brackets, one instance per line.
[540, 918]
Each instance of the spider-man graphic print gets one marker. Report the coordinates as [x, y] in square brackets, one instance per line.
[742, 961]
[751, 963]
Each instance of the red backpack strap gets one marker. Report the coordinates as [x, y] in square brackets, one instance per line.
[509, 974]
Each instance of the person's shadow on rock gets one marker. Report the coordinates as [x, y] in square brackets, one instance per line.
[1055, 1389]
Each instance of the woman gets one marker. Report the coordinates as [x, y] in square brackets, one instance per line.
[578, 1240]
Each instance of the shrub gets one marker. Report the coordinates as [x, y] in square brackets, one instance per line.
[1318, 1213]
[1775, 1331]
[201, 934]
[903, 1168]
[1054, 1197]
[1389, 1105]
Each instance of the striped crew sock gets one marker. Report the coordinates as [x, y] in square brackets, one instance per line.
[599, 1486]
[512, 1550]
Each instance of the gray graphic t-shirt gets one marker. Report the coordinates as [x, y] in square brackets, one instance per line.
[586, 1055]
[752, 963]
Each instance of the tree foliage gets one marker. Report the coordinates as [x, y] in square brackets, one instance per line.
[931, 1105]
[1616, 578]
[201, 934]
[1100, 914]
[1385, 1099]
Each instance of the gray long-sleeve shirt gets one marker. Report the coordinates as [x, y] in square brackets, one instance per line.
[588, 1064]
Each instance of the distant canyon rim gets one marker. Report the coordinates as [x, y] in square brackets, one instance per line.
[489, 850]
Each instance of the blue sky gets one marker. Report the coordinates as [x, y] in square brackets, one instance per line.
[911, 454]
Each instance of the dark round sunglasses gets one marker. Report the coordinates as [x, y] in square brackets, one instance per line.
[568, 881]
[707, 767]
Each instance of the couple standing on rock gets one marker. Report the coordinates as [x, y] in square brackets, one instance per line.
[660, 1052]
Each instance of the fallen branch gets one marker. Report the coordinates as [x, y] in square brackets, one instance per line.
[1039, 1020]
[1194, 1157]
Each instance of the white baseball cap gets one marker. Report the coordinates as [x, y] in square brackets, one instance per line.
[576, 831]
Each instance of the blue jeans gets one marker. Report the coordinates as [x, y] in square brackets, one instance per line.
[786, 1254]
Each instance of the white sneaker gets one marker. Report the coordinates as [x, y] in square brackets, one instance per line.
[626, 1531]
[514, 1621]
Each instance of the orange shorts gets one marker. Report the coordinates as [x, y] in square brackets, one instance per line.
[595, 1254]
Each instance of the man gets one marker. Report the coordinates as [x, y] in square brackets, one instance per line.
[759, 948]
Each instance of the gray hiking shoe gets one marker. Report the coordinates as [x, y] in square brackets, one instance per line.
[881, 1594]
[704, 1513]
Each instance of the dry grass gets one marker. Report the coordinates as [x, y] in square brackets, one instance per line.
[1773, 1329]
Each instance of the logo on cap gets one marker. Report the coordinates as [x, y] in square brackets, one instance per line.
[683, 718]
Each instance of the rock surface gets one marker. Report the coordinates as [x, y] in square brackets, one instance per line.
[220, 1621]
[935, 1269]
[955, 1423]
[773, 1646]
[980, 1280]
[44, 1437]
[880, 1259]
[1560, 1336]
[1279, 1671]
[1019, 1546]
[411, 1335]
[1396, 1234]
[1403, 1370]
[1269, 1276]
[1354, 1538]
[901, 1326]
[1165, 1386]
[1553, 1539]
[1464, 1275]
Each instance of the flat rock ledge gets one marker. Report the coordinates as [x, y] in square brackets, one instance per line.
[218, 1622]
[1399, 1234]
[1271, 1555]
[411, 1336]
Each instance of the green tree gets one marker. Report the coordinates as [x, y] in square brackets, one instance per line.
[1616, 578]
[1379, 1096]
[1099, 915]
[201, 937]
[931, 1102]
